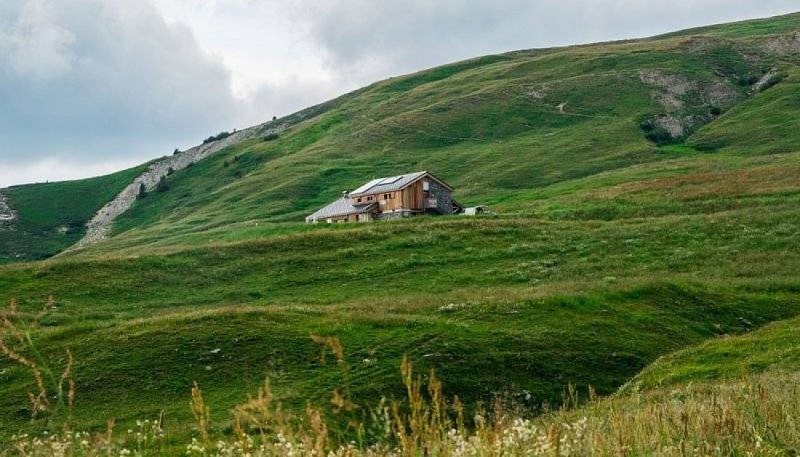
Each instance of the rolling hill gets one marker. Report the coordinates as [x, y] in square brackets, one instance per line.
[647, 194]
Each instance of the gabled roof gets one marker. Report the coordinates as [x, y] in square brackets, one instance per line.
[341, 207]
[391, 184]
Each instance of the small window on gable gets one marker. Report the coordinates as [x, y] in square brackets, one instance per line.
[358, 200]
[426, 185]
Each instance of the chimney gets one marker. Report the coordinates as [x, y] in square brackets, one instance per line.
[345, 194]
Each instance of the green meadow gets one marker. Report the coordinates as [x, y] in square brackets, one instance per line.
[619, 258]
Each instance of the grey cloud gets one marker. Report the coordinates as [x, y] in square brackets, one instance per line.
[87, 79]
[364, 38]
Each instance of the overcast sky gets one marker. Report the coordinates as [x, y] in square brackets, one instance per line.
[92, 86]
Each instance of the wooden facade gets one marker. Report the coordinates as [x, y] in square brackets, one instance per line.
[388, 198]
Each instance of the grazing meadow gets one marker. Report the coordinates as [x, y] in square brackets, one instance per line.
[636, 293]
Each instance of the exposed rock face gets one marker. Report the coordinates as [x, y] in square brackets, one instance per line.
[687, 103]
[100, 226]
[7, 215]
[768, 80]
[785, 45]
[672, 87]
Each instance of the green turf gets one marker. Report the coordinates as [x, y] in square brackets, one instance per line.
[774, 348]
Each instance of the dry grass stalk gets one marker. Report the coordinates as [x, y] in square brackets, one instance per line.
[17, 332]
[201, 413]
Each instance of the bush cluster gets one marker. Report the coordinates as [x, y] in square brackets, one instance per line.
[656, 134]
[217, 137]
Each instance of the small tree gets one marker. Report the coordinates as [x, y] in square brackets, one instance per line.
[274, 118]
[163, 185]
[170, 171]
[142, 191]
[176, 151]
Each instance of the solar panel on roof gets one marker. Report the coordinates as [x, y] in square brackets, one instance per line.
[390, 180]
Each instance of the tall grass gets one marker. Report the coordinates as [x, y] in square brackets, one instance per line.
[755, 416]
[750, 416]
[53, 397]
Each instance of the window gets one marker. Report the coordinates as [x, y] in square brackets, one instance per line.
[358, 200]
[387, 196]
[369, 199]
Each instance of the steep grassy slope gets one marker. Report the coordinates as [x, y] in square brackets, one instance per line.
[499, 127]
[51, 216]
[610, 250]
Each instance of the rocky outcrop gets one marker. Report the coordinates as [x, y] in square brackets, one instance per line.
[99, 227]
[7, 215]
[671, 88]
[768, 80]
[687, 104]
[785, 45]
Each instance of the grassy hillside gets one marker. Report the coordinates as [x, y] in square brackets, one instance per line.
[648, 195]
[504, 128]
[774, 348]
[52, 216]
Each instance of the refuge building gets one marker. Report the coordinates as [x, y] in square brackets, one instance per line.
[394, 197]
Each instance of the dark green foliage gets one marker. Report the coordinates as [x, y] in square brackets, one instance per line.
[655, 133]
[142, 191]
[271, 137]
[217, 137]
[660, 136]
[163, 185]
[748, 80]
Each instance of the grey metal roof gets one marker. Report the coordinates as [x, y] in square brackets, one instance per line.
[340, 207]
[389, 184]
